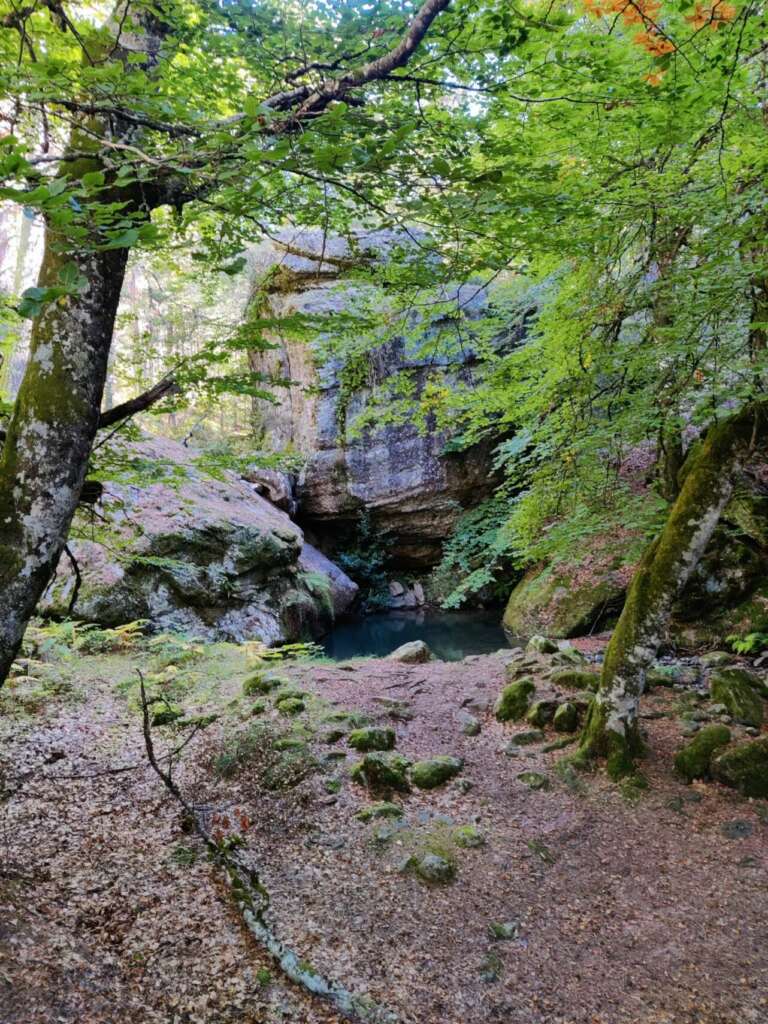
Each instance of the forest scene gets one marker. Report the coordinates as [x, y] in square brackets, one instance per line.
[383, 512]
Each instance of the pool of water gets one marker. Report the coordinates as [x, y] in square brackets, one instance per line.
[450, 636]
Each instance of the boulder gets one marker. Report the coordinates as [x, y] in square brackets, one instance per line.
[435, 771]
[198, 554]
[574, 679]
[734, 689]
[514, 699]
[693, 761]
[542, 645]
[541, 712]
[431, 867]
[565, 602]
[383, 809]
[744, 767]
[414, 653]
[468, 837]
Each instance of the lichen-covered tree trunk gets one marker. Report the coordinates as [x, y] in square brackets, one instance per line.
[45, 456]
[708, 478]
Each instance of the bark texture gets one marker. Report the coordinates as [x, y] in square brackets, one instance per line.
[708, 479]
[45, 455]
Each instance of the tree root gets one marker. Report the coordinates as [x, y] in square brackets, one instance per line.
[252, 901]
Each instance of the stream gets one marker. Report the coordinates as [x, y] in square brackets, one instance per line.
[450, 636]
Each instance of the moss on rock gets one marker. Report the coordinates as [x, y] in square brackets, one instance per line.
[692, 762]
[541, 712]
[290, 706]
[372, 738]
[566, 718]
[383, 809]
[382, 769]
[435, 771]
[575, 679]
[732, 687]
[468, 837]
[744, 767]
[514, 699]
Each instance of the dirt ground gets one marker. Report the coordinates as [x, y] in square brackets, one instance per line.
[629, 908]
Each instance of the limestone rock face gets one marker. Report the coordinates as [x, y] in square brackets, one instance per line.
[206, 556]
[403, 478]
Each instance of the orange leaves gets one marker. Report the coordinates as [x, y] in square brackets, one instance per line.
[655, 78]
[654, 42]
[712, 15]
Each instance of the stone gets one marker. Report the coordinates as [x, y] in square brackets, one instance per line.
[289, 743]
[463, 786]
[733, 688]
[514, 699]
[431, 867]
[534, 780]
[566, 718]
[690, 728]
[468, 837]
[525, 739]
[332, 736]
[541, 712]
[383, 809]
[575, 679]
[491, 968]
[542, 645]
[435, 771]
[200, 555]
[568, 657]
[414, 653]
[372, 738]
[470, 726]
[504, 931]
[396, 589]
[692, 762]
[382, 770]
[564, 602]
[715, 659]
[737, 829]
[418, 593]
[744, 767]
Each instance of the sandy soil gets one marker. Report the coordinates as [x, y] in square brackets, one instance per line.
[629, 910]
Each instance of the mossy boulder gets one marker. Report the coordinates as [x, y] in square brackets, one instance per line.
[435, 771]
[715, 659]
[744, 767]
[541, 712]
[576, 679]
[414, 653]
[372, 738]
[383, 809]
[261, 683]
[566, 718]
[733, 688]
[290, 706]
[568, 657]
[692, 762]
[565, 601]
[383, 769]
[514, 699]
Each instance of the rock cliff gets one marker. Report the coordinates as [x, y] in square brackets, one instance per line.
[412, 489]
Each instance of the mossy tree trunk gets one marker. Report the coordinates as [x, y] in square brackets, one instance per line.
[707, 482]
[45, 455]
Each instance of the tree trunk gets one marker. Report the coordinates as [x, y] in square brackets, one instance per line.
[45, 456]
[709, 474]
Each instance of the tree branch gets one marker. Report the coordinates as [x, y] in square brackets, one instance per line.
[163, 389]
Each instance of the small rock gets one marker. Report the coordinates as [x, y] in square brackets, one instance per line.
[491, 968]
[566, 718]
[418, 593]
[541, 712]
[692, 762]
[382, 770]
[468, 836]
[414, 653]
[435, 771]
[503, 931]
[512, 750]
[689, 728]
[525, 739]
[715, 659]
[542, 645]
[470, 725]
[372, 738]
[433, 868]
[534, 780]
[384, 809]
[463, 785]
[396, 588]
[290, 706]
[513, 700]
[332, 736]
[737, 829]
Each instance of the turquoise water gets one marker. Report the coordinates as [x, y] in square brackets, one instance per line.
[450, 636]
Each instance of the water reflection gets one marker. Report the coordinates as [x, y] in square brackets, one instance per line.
[450, 636]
